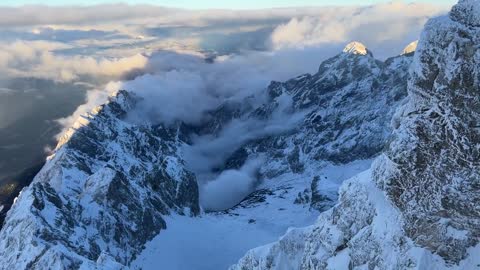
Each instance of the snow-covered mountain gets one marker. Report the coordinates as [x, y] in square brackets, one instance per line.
[418, 207]
[116, 194]
[101, 196]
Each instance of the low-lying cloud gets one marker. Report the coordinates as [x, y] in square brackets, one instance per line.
[385, 28]
[230, 187]
[210, 151]
[207, 153]
[183, 87]
[66, 43]
[37, 59]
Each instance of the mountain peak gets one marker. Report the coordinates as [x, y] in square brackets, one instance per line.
[410, 48]
[467, 12]
[356, 48]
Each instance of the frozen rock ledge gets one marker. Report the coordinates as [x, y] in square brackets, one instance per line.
[467, 12]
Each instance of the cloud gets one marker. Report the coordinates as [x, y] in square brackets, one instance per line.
[207, 153]
[101, 41]
[171, 96]
[210, 151]
[32, 15]
[184, 86]
[94, 97]
[37, 59]
[385, 28]
[230, 187]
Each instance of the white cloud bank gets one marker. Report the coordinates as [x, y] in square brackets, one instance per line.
[385, 28]
[230, 187]
[108, 30]
[37, 59]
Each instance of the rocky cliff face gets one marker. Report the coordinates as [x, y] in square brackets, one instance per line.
[418, 207]
[101, 196]
[431, 169]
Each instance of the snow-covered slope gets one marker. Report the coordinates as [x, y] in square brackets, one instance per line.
[431, 170]
[100, 197]
[418, 208]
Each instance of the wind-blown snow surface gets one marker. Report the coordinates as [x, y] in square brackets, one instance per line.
[418, 207]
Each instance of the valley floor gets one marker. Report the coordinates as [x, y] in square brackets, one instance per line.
[218, 240]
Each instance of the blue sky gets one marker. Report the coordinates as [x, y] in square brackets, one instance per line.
[200, 4]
